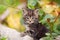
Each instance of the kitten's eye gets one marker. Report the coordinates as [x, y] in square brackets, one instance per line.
[27, 18]
[36, 18]
[33, 17]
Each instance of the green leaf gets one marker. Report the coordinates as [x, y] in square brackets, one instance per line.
[1, 1]
[3, 38]
[44, 20]
[41, 12]
[2, 8]
[21, 17]
[48, 38]
[57, 28]
[16, 2]
[31, 4]
[57, 1]
[10, 2]
[48, 16]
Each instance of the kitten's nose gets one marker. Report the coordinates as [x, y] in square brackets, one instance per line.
[30, 21]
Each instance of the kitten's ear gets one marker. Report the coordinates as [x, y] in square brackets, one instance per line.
[24, 11]
[36, 12]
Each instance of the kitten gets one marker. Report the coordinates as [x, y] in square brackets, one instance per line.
[30, 16]
[35, 29]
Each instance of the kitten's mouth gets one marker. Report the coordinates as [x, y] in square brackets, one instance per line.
[29, 22]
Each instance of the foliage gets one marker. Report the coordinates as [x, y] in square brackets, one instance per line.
[14, 20]
[9, 2]
[2, 8]
[31, 4]
[57, 1]
[4, 4]
[50, 21]
[3, 38]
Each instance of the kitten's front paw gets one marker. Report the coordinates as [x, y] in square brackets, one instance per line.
[22, 34]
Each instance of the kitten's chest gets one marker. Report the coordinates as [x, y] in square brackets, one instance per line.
[26, 26]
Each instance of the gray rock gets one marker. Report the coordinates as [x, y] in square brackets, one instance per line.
[12, 34]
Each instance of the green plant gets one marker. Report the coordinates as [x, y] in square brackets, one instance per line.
[31, 4]
[3, 38]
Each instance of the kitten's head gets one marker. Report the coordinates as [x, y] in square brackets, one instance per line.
[30, 16]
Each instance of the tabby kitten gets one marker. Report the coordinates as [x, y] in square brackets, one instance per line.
[30, 16]
[35, 29]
